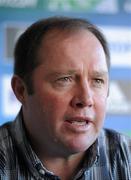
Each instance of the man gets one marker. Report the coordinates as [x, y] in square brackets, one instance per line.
[61, 78]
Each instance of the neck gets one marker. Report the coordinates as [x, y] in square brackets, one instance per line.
[65, 168]
[62, 163]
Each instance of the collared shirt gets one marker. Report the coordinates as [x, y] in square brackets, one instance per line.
[109, 158]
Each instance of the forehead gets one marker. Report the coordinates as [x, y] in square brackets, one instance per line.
[53, 36]
[58, 41]
[60, 36]
[61, 50]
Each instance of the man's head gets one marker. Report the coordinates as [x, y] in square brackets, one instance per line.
[29, 43]
[61, 79]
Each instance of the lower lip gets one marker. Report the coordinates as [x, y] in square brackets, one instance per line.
[78, 128]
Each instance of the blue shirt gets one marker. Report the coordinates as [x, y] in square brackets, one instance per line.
[109, 158]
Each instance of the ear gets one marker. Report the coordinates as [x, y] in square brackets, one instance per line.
[19, 88]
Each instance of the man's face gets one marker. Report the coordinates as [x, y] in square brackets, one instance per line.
[67, 109]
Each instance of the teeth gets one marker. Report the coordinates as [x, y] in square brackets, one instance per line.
[82, 123]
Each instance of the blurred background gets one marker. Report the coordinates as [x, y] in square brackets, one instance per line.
[112, 16]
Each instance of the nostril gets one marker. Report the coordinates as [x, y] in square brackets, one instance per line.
[81, 102]
[80, 105]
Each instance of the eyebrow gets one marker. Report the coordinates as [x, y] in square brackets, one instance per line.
[57, 73]
[100, 73]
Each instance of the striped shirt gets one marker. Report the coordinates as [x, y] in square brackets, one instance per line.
[109, 158]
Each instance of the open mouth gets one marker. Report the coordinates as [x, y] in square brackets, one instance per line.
[78, 122]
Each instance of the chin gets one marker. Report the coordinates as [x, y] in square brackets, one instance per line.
[80, 146]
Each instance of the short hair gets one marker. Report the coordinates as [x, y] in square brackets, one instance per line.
[28, 44]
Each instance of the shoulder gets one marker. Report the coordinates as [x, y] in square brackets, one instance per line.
[115, 149]
[5, 138]
[5, 135]
[116, 143]
[117, 137]
[5, 143]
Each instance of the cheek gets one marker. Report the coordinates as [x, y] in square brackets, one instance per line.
[100, 110]
[54, 104]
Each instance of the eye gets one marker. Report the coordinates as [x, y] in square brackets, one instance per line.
[64, 81]
[99, 81]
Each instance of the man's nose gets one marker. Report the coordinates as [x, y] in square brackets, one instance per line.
[83, 96]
